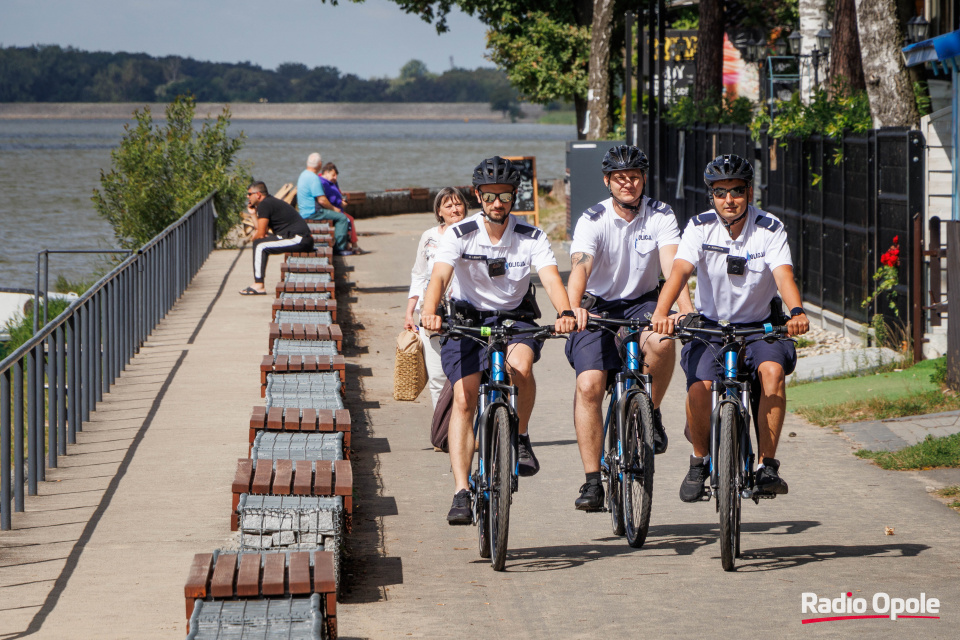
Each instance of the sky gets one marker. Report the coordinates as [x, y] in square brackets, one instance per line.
[371, 39]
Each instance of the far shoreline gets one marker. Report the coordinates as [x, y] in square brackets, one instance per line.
[463, 111]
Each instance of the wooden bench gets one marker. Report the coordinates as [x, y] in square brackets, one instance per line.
[291, 419]
[293, 478]
[319, 227]
[297, 331]
[305, 287]
[302, 364]
[318, 252]
[305, 304]
[231, 576]
[305, 268]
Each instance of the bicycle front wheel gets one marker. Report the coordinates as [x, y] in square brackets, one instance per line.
[611, 455]
[638, 469]
[728, 489]
[501, 469]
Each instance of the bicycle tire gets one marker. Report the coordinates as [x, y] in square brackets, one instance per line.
[483, 534]
[728, 491]
[501, 470]
[614, 484]
[638, 456]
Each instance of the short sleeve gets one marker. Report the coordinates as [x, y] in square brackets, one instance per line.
[668, 232]
[542, 254]
[448, 251]
[586, 237]
[778, 250]
[690, 245]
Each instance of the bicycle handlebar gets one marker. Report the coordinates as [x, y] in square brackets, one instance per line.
[636, 323]
[768, 330]
[451, 329]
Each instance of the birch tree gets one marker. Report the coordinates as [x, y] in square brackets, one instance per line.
[598, 94]
[889, 86]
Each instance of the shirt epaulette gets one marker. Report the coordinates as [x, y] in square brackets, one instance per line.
[527, 230]
[594, 212]
[768, 223]
[656, 205]
[703, 218]
[467, 227]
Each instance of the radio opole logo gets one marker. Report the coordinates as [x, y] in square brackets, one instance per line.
[882, 605]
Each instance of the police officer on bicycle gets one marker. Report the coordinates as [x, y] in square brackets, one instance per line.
[619, 248]
[492, 254]
[742, 259]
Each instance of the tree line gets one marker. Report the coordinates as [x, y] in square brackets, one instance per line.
[50, 73]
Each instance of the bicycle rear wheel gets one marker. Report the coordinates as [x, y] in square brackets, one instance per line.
[614, 479]
[728, 490]
[501, 461]
[638, 469]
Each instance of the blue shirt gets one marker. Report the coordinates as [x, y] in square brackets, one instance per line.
[308, 190]
[332, 191]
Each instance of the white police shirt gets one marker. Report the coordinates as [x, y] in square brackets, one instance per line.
[722, 296]
[626, 255]
[466, 247]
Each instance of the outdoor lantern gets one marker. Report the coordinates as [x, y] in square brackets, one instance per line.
[781, 46]
[794, 40]
[823, 41]
[917, 28]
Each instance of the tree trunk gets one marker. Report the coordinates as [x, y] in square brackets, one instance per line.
[709, 81]
[845, 59]
[888, 84]
[580, 106]
[598, 94]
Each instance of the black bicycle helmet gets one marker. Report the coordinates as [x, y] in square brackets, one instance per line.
[496, 170]
[728, 167]
[623, 157]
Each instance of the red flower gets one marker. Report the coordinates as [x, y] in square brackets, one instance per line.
[892, 257]
[896, 239]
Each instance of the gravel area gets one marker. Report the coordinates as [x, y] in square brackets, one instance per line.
[825, 342]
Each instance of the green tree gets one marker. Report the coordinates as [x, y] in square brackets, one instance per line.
[160, 172]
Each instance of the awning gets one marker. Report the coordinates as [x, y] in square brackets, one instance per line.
[942, 52]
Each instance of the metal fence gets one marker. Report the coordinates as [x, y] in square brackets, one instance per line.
[52, 383]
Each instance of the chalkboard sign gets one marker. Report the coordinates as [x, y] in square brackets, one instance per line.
[527, 204]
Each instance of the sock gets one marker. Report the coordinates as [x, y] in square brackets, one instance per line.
[593, 476]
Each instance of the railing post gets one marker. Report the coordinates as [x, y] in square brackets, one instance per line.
[18, 457]
[72, 391]
[39, 434]
[52, 414]
[61, 393]
[32, 421]
[6, 520]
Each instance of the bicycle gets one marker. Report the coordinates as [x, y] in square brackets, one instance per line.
[496, 427]
[732, 476]
[627, 459]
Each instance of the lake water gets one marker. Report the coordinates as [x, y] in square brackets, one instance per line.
[49, 168]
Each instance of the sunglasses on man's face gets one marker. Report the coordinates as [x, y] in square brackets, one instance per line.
[489, 197]
[721, 193]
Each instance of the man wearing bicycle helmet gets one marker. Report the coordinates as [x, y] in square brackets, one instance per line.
[742, 259]
[619, 247]
[492, 254]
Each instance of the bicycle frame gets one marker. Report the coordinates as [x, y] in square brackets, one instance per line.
[737, 393]
[624, 387]
[493, 393]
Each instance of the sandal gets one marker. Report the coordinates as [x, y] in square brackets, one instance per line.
[250, 291]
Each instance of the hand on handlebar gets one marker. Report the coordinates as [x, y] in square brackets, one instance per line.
[798, 325]
[582, 316]
[567, 324]
[662, 324]
[431, 322]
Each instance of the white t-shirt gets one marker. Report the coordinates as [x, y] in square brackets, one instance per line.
[423, 265]
[466, 247]
[719, 295]
[626, 255]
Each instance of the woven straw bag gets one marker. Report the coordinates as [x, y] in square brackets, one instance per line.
[410, 371]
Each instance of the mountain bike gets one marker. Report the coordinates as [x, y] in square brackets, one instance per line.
[496, 428]
[627, 462]
[732, 475]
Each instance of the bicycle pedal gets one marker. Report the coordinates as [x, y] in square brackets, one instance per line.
[707, 494]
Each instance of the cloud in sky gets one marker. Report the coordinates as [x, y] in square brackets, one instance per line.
[371, 39]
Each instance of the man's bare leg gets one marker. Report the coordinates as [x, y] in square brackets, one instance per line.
[460, 436]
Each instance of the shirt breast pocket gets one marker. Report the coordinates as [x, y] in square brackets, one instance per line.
[644, 246]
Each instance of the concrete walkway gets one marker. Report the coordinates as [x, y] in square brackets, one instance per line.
[412, 575]
[103, 552]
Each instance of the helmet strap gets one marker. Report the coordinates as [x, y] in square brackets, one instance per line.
[729, 225]
[633, 208]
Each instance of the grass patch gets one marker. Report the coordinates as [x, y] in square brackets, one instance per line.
[879, 408]
[889, 384]
[803, 343]
[950, 492]
[558, 117]
[929, 454]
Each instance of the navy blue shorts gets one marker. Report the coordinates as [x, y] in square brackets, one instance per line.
[699, 361]
[464, 357]
[597, 350]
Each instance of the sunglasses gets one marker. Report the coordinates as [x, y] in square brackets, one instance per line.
[488, 197]
[721, 193]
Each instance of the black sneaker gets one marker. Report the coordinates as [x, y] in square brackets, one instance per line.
[529, 466]
[659, 434]
[461, 511]
[768, 478]
[591, 497]
[691, 489]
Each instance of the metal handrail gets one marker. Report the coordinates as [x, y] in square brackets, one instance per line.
[102, 329]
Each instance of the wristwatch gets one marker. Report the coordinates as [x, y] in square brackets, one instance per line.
[566, 313]
[796, 311]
